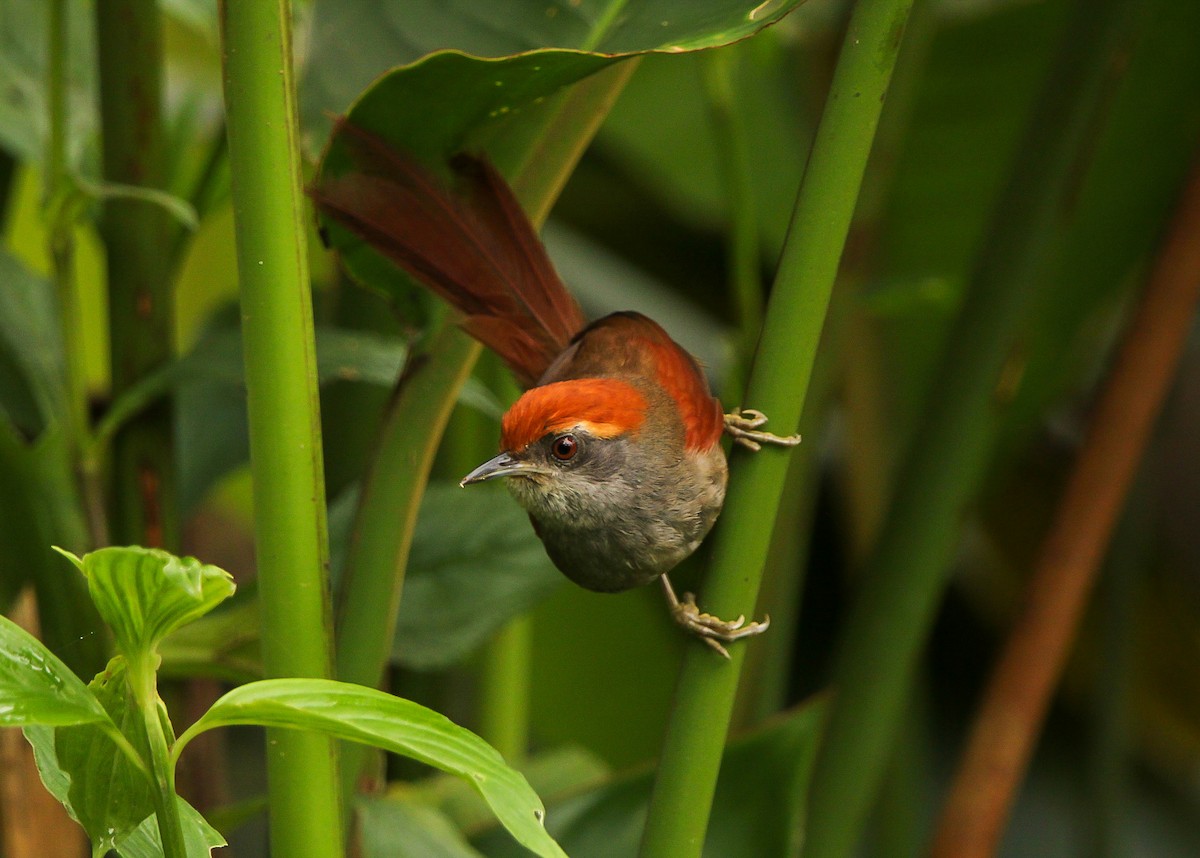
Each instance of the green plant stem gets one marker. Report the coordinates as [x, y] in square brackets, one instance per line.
[905, 572]
[136, 234]
[162, 770]
[683, 791]
[291, 539]
[504, 691]
[65, 612]
[61, 210]
[387, 513]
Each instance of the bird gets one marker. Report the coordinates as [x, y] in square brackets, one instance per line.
[613, 449]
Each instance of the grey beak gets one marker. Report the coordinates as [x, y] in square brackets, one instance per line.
[500, 466]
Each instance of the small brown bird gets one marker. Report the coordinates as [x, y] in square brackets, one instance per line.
[614, 448]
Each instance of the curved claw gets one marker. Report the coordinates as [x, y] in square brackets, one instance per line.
[743, 426]
[710, 629]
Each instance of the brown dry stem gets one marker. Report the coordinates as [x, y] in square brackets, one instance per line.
[1019, 690]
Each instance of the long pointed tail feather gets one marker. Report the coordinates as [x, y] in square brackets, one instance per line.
[471, 244]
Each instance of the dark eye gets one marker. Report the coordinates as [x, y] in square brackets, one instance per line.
[564, 447]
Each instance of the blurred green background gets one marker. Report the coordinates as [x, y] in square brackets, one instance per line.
[643, 224]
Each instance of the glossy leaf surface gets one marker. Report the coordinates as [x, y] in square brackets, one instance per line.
[36, 687]
[144, 593]
[358, 714]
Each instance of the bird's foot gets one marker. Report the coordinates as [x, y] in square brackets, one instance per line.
[712, 630]
[743, 426]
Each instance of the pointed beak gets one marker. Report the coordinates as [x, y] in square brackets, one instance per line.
[501, 466]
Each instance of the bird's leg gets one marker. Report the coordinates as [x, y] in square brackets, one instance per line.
[742, 425]
[712, 630]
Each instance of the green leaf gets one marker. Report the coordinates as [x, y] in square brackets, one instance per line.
[36, 687]
[199, 837]
[454, 101]
[358, 714]
[146, 593]
[488, 29]
[475, 563]
[102, 789]
[393, 828]
[107, 793]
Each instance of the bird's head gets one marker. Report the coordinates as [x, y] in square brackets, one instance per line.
[566, 445]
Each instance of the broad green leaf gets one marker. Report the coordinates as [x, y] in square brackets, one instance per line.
[475, 563]
[146, 593]
[402, 33]
[358, 714]
[133, 840]
[107, 794]
[453, 101]
[36, 687]
[199, 837]
[758, 811]
[392, 828]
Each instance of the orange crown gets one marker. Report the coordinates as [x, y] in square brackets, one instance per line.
[604, 407]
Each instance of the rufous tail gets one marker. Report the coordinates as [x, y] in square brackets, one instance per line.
[468, 241]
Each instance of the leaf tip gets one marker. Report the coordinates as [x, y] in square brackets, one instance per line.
[74, 558]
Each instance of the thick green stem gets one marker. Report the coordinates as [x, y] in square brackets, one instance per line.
[140, 288]
[504, 691]
[905, 573]
[60, 198]
[142, 682]
[285, 430]
[778, 384]
[65, 612]
[387, 512]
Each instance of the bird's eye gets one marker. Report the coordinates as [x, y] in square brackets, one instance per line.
[564, 447]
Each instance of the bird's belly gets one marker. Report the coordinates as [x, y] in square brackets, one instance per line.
[624, 554]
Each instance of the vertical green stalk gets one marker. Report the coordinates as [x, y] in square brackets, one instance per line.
[136, 236]
[387, 513]
[65, 613]
[60, 197]
[504, 691]
[905, 573]
[142, 682]
[683, 791]
[285, 431]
